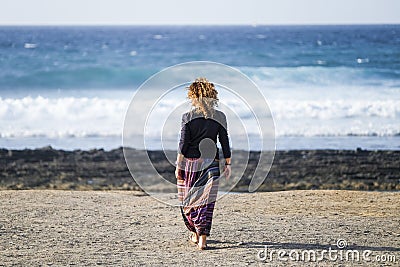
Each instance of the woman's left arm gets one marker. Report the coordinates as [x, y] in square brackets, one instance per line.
[226, 149]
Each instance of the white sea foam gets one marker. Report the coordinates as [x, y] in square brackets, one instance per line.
[30, 45]
[61, 117]
[335, 109]
[102, 117]
[362, 60]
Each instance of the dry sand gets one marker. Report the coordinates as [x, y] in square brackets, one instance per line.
[58, 228]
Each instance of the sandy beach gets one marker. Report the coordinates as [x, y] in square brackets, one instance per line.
[59, 228]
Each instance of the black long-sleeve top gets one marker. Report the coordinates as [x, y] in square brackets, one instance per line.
[195, 128]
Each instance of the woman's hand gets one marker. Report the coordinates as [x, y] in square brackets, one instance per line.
[179, 160]
[227, 171]
[227, 168]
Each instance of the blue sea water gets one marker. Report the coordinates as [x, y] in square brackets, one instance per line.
[327, 86]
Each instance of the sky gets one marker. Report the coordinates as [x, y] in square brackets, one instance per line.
[204, 12]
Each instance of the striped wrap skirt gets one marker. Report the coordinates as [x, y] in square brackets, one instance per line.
[197, 184]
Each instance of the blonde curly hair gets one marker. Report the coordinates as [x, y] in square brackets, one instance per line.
[204, 96]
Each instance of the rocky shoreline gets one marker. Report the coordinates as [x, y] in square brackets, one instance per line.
[97, 169]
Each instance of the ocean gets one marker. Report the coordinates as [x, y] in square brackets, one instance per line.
[328, 87]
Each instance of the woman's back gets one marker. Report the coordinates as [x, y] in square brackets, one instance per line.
[196, 128]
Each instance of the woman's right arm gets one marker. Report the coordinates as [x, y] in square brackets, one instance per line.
[183, 145]
[184, 135]
[179, 161]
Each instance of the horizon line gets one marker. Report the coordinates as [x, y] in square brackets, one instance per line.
[214, 25]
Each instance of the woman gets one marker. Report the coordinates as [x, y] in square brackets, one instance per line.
[197, 168]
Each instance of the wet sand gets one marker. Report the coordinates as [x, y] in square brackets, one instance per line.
[60, 227]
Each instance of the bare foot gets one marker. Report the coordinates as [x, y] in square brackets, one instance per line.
[194, 238]
[202, 242]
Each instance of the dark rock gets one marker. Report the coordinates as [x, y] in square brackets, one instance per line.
[98, 169]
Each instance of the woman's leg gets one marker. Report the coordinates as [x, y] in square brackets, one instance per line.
[202, 244]
[194, 238]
